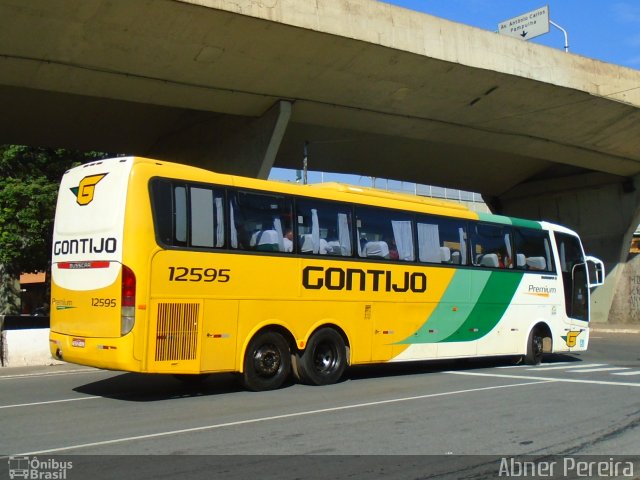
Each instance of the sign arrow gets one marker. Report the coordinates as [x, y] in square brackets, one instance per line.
[523, 34]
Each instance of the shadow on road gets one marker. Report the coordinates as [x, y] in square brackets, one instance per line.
[138, 387]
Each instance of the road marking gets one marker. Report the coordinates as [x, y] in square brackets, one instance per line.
[635, 372]
[571, 365]
[48, 402]
[603, 369]
[279, 417]
[564, 380]
[48, 374]
[554, 364]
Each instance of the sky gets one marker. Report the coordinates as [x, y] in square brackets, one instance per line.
[606, 30]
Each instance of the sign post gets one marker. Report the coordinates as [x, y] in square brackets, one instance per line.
[528, 25]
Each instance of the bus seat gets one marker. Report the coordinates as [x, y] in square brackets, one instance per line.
[268, 241]
[445, 255]
[456, 257]
[323, 246]
[521, 260]
[306, 243]
[333, 247]
[537, 263]
[489, 260]
[376, 250]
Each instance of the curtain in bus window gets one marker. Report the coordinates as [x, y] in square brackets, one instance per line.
[508, 262]
[201, 217]
[343, 234]
[463, 245]
[219, 223]
[428, 243]
[403, 237]
[315, 230]
[232, 225]
[277, 225]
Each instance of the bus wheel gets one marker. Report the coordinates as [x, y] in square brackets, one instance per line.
[324, 360]
[534, 348]
[267, 362]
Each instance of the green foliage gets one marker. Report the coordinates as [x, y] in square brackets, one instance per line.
[29, 179]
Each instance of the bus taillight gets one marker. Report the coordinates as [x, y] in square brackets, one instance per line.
[128, 300]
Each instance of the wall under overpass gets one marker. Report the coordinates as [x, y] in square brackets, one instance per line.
[241, 85]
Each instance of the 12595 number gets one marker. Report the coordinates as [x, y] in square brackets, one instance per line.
[196, 274]
[103, 302]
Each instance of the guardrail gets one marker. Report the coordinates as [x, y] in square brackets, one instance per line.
[24, 341]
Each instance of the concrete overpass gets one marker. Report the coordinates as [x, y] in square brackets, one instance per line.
[240, 85]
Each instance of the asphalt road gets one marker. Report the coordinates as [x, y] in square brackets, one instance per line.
[427, 420]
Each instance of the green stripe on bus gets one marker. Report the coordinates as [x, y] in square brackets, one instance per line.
[453, 309]
[490, 307]
[519, 222]
[516, 222]
[489, 217]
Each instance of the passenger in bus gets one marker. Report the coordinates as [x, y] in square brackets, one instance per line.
[503, 259]
[288, 240]
[393, 249]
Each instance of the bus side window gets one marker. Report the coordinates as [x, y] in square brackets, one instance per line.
[442, 240]
[533, 250]
[384, 234]
[491, 246]
[324, 228]
[260, 221]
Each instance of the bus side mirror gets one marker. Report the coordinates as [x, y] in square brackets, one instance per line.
[595, 269]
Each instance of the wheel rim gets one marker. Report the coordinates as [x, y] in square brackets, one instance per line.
[267, 360]
[325, 358]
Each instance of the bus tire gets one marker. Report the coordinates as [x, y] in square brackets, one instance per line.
[324, 360]
[267, 362]
[534, 347]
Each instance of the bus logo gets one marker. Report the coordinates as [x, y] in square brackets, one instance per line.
[571, 337]
[84, 191]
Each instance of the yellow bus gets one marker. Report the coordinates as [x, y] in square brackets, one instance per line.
[166, 268]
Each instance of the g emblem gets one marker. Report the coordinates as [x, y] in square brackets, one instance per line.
[85, 190]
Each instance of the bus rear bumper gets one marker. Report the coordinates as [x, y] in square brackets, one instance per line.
[107, 353]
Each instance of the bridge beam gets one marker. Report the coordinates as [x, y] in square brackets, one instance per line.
[604, 210]
[229, 143]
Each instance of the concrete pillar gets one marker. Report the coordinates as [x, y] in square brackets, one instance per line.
[232, 144]
[605, 211]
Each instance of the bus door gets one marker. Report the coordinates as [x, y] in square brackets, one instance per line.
[574, 267]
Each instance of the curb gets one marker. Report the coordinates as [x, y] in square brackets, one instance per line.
[606, 329]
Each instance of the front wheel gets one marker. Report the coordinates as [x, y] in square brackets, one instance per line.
[534, 348]
[324, 360]
[267, 362]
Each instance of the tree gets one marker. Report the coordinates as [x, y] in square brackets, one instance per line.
[29, 179]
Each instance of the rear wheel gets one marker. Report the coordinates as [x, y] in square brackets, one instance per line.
[324, 360]
[534, 347]
[267, 362]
